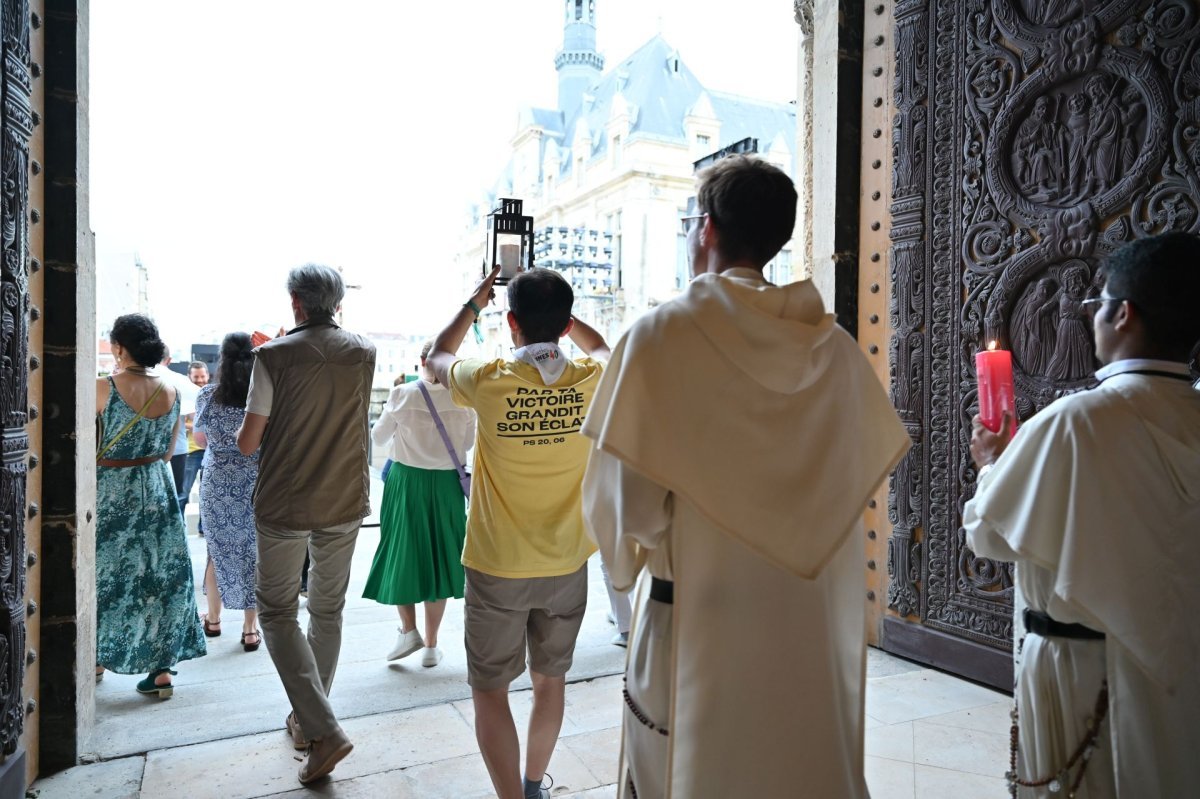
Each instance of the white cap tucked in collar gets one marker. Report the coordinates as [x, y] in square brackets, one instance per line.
[1142, 365]
[547, 357]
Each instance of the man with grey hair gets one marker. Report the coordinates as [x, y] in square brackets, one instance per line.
[306, 415]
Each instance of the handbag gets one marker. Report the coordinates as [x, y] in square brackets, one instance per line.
[464, 479]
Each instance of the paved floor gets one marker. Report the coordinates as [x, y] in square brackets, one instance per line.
[933, 736]
[929, 736]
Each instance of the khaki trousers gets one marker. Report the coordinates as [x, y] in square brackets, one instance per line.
[305, 664]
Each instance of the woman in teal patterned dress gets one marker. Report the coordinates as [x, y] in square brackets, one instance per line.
[146, 619]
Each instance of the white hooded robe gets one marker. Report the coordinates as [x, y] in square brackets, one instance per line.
[739, 433]
[1097, 501]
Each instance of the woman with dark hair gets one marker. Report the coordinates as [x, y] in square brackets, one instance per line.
[226, 486]
[145, 600]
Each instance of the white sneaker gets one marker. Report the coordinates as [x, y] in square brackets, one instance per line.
[406, 644]
[620, 639]
[431, 657]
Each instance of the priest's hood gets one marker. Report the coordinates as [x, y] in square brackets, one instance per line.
[747, 400]
[778, 336]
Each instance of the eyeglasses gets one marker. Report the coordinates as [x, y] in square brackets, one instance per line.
[687, 220]
[1093, 305]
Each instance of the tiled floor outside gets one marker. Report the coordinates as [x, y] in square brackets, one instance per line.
[929, 735]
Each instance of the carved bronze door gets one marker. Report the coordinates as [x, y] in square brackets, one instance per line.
[1031, 138]
[16, 127]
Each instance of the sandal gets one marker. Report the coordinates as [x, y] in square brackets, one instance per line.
[256, 635]
[211, 630]
[150, 687]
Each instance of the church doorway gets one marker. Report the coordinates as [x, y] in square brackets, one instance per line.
[988, 155]
[52, 714]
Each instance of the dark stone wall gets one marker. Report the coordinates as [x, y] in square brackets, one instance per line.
[849, 163]
[837, 48]
[68, 528]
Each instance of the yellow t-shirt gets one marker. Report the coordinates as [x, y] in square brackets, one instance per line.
[526, 518]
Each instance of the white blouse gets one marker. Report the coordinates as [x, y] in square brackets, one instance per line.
[407, 423]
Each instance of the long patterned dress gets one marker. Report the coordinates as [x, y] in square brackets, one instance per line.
[146, 615]
[226, 486]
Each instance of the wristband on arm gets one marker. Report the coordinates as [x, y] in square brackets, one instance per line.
[475, 309]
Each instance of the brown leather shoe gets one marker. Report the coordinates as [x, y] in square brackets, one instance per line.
[293, 728]
[323, 755]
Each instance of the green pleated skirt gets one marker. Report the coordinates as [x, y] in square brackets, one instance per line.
[422, 525]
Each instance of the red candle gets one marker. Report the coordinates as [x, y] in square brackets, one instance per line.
[993, 367]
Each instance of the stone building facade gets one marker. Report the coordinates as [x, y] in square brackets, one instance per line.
[608, 173]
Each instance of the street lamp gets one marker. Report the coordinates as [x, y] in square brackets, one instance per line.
[509, 240]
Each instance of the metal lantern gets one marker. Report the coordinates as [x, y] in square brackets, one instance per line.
[509, 241]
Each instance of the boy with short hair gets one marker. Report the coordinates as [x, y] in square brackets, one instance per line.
[526, 551]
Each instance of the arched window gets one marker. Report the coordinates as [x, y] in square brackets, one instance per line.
[578, 10]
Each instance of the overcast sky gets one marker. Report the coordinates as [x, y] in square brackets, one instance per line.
[233, 140]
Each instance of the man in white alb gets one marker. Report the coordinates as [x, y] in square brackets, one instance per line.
[738, 433]
[1097, 501]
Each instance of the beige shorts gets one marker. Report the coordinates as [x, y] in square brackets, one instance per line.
[502, 613]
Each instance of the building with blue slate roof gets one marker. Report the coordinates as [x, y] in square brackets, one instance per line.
[608, 173]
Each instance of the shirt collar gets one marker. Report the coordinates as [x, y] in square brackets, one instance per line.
[313, 321]
[745, 273]
[1141, 365]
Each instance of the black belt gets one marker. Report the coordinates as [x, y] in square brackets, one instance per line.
[662, 591]
[1041, 624]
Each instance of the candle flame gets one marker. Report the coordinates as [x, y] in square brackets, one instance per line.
[991, 346]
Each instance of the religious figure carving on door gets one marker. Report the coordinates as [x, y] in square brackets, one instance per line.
[1079, 143]
[1055, 340]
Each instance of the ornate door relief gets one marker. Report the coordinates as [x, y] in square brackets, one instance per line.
[16, 128]
[1031, 138]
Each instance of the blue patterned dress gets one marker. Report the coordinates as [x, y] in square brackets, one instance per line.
[146, 615]
[226, 486]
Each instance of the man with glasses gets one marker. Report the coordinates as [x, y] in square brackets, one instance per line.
[1097, 502]
[689, 221]
[736, 438]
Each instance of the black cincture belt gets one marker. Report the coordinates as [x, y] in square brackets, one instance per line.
[1041, 624]
[662, 591]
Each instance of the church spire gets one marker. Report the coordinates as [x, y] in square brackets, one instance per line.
[578, 64]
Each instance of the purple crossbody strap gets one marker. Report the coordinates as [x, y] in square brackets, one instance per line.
[437, 420]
